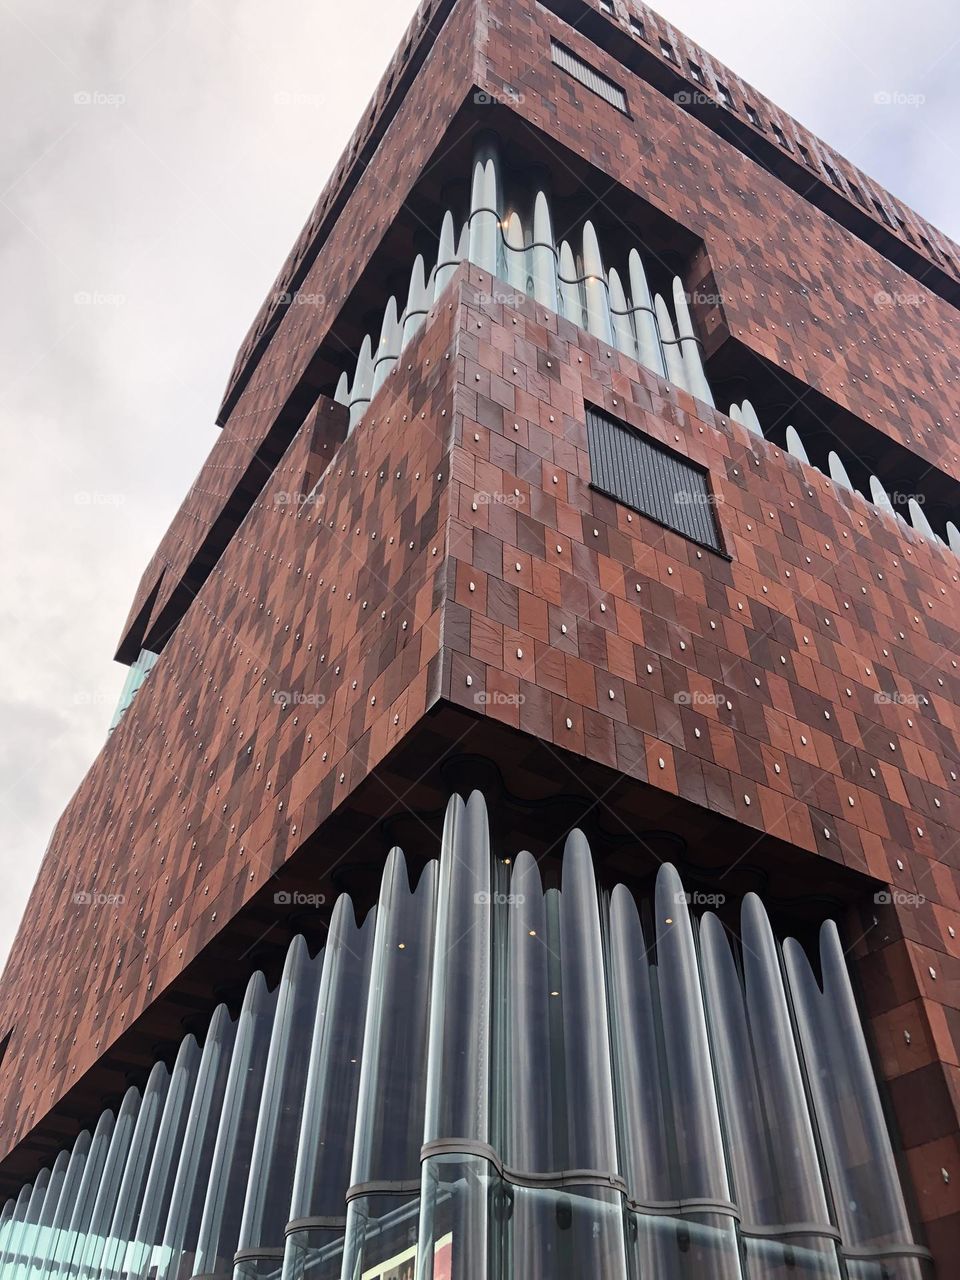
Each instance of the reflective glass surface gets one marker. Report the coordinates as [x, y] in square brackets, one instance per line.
[505, 1071]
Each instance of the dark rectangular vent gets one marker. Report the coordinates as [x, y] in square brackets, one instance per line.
[590, 79]
[642, 474]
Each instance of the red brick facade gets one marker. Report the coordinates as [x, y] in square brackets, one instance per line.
[831, 630]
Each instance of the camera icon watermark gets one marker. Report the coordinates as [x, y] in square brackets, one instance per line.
[505, 297]
[496, 499]
[899, 699]
[98, 98]
[697, 498]
[499, 899]
[499, 699]
[508, 96]
[286, 498]
[97, 298]
[697, 698]
[898, 898]
[898, 98]
[696, 898]
[898, 298]
[93, 898]
[694, 98]
[297, 898]
[298, 298]
[295, 698]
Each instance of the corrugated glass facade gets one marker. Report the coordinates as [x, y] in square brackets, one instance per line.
[492, 1076]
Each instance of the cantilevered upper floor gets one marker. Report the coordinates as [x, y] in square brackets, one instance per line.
[810, 286]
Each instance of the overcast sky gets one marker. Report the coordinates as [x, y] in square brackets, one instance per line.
[157, 160]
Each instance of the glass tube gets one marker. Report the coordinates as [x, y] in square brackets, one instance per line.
[163, 1165]
[70, 1245]
[69, 1193]
[770, 1139]
[856, 1143]
[330, 1100]
[16, 1225]
[226, 1187]
[196, 1154]
[89, 1247]
[386, 1150]
[22, 1262]
[454, 1191]
[107, 1261]
[273, 1159]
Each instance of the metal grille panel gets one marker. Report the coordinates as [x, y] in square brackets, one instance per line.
[642, 474]
[590, 79]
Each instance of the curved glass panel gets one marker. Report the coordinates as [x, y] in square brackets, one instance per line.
[196, 1153]
[382, 1219]
[6, 1222]
[683, 1243]
[158, 1187]
[701, 1164]
[454, 1239]
[89, 1247]
[36, 1237]
[558, 1088]
[571, 1232]
[330, 1102]
[51, 1249]
[582, 1002]
[493, 1078]
[856, 1144]
[776, 1170]
[671, 1143]
[16, 1224]
[273, 1159]
[230, 1165]
[133, 1182]
[458, 1064]
[69, 1246]
[642, 1112]
[527, 1137]
[458, 1068]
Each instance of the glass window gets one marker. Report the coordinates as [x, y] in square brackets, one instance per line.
[881, 212]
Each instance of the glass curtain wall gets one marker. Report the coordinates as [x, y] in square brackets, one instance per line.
[495, 1075]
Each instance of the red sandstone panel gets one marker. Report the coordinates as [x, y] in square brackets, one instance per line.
[796, 646]
[795, 284]
[415, 132]
[310, 649]
[209, 784]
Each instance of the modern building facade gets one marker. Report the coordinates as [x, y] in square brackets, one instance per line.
[529, 841]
